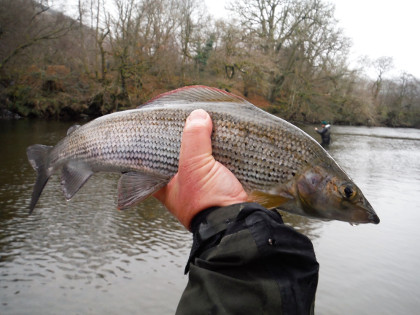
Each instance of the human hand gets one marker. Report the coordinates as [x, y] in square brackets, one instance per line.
[316, 128]
[201, 181]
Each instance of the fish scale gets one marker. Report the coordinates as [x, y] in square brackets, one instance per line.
[276, 162]
[147, 140]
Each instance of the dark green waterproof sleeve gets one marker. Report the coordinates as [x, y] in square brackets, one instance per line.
[245, 260]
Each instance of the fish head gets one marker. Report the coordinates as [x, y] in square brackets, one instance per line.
[327, 192]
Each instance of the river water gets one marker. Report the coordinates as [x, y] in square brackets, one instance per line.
[85, 257]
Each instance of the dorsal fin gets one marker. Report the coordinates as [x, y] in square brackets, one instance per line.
[72, 129]
[194, 94]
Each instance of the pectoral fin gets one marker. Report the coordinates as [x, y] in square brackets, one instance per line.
[73, 176]
[135, 187]
[269, 201]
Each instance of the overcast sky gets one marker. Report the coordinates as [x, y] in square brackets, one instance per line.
[377, 28]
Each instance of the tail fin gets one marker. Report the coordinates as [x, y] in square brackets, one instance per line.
[38, 157]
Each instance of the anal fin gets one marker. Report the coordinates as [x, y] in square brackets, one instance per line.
[134, 187]
[73, 176]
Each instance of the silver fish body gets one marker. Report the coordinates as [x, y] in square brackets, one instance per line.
[274, 160]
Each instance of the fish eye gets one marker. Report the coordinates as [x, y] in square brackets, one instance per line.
[348, 191]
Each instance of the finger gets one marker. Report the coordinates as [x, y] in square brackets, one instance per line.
[195, 146]
[196, 137]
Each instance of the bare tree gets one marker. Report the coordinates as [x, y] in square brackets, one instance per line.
[298, 37]
[381, 65]
[121, 42]
[82, 10]
[192, 29]
[26, 24]
[98, 23]
[238, 58]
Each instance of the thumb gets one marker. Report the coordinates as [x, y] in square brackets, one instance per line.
[196, 137]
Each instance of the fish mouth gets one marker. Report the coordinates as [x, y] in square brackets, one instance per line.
[365, 214]
[374, 218]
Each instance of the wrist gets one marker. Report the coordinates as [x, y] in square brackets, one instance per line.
[215, 219]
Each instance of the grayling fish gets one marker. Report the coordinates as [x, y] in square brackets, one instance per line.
[278, 164]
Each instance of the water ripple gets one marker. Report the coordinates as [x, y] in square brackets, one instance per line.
[85, 257]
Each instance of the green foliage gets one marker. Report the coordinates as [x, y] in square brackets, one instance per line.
[203, 53]
[20, 97]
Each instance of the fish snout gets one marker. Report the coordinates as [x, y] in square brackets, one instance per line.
[373, 217]
[376, 219]
[365, 214]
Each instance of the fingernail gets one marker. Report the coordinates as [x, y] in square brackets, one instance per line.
[198, 114]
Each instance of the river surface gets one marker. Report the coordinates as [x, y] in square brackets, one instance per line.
[85, 257]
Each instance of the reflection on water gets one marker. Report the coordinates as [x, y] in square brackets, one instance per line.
[84, 256]
[308, 226]
[374, 269]
[87, 247]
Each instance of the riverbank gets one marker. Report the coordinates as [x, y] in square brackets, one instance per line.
[96, 107]
[62, 106]
[57, 94]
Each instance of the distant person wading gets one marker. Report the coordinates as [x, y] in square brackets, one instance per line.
[325, 133]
